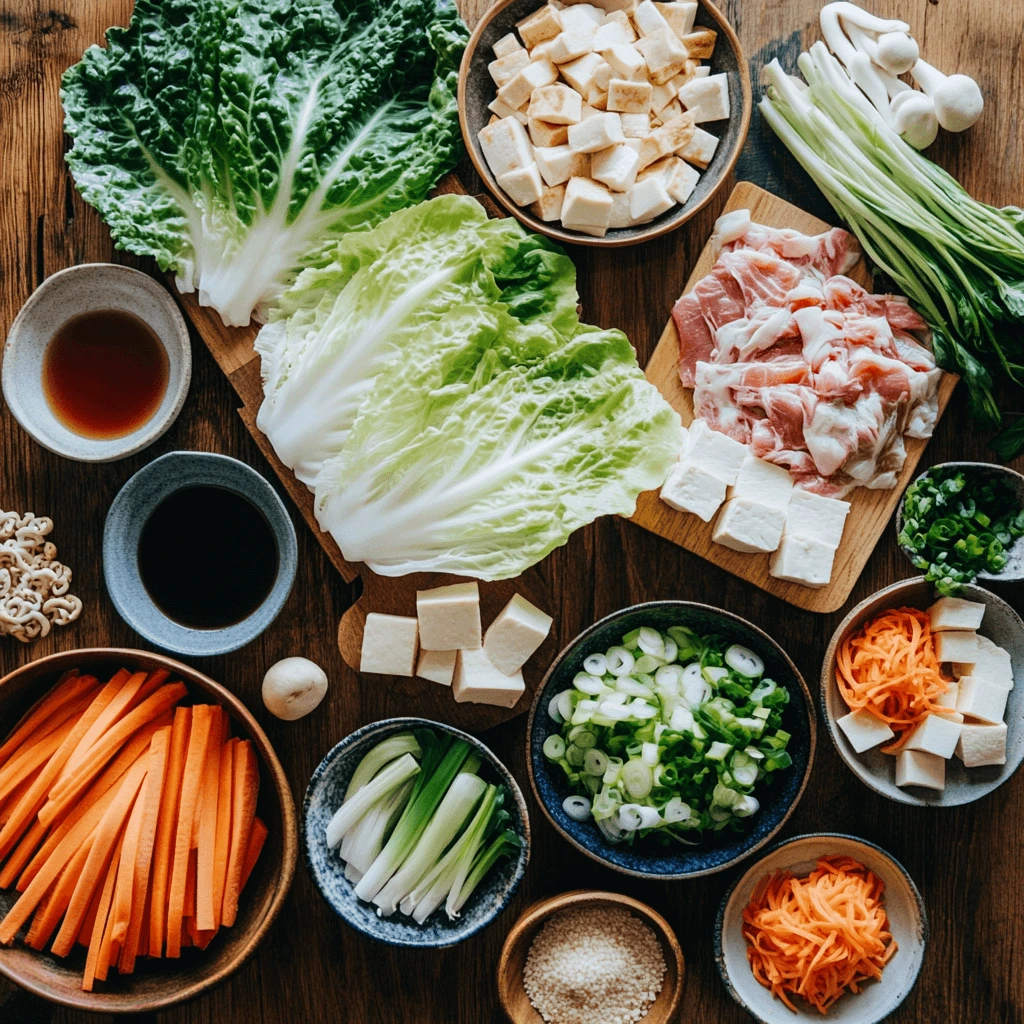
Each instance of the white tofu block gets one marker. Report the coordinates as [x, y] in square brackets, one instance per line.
[803, 560]
[535, 75]
[587, 206]
[664, 54]
[549, 206]
[559, 163]
[555, 104]
[507, 44]
[919, 768]
[982, 744]
[389, 645]
[624, 59]
[989, 662]
[595, 133]
[501, 110]
[959, 645]
[597, 98]
[603, 75]
[703, 71]
[937, 735]
[672, 110]
[660, 169]
[707, 99]
[505, 146]
[812, 515]
[717, 452]
[523, 186]
[615, 167]
[477, 681]
[548, 135]
[629, 97]
[579, 73]
[700, 150]
[648, 19]
[543, 24]
[763, 481]
[613, 33]
[700, 44]
[749, 526]
[649, 199]
[950, 697]
[517, 632]
[864, 730]
[635, 126]
[589, 111]
[691, 488]
[662, 96]
[582, 18]
[567, 46]
[683, 181]
[688, 74]
[679, 16]
[504, 69]
[449, 617]
[437, 666]
[619, 216]
[955, 613]
[978, 698]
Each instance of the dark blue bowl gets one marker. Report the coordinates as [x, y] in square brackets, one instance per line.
[720, 850]
[323, 797]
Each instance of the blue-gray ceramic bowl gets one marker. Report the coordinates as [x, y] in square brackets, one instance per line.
[126, 518]
[323, 797]
[720, 850]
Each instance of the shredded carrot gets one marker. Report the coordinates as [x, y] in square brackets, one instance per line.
[889, 669]
[819, 936]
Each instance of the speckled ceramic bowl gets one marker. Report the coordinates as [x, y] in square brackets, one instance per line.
[904, 906]
[876, 770]
[325, 794]
[126, 518]
[721, 850]
[69, 293]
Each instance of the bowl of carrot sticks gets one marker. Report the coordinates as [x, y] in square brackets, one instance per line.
[823, 925]
[147, 831]
[919, 696]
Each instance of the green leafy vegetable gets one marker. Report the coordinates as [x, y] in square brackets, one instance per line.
[960, 262]
[233, 140]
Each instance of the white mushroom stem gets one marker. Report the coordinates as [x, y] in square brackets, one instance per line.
[957, 98]
[835, 36]
[856, 60]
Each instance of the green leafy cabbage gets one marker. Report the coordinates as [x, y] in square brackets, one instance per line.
[236, 140]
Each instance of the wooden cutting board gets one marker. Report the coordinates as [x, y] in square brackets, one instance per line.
[871, 510]
[232, 348]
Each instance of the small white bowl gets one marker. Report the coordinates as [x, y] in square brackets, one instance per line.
[69, 293]
[908, 923]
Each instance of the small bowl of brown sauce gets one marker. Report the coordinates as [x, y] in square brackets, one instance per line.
[199, 553]
[97, 363]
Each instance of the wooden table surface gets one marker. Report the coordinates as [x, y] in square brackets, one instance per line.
[311, 968]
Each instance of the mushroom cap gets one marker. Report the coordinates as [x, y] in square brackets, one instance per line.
[897, 52]
[958, 103]
[293, 687]
[914, 118]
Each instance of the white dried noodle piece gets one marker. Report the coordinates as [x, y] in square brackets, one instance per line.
[33, 584]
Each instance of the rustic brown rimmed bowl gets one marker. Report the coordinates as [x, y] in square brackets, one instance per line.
[514, 1000]
[157, 984]
[476, 90]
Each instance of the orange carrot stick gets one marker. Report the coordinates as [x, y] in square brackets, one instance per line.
[70, 686]
[206, 817]
[100, 925]
[106, 951]
[124, 890]
[223, 844]
[246, 784]
[52, 909]
[29, 841]
[257, 838]
[32, 757]
[7, 806]
[85, 932]
[129, 686]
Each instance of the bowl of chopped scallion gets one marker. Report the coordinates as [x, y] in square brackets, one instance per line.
[670, 740]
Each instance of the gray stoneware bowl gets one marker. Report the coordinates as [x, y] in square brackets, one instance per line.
[477, 89]
[720, 850]
[325, 794]
[1013, 571]
[877, 770]
[904, 906]
[126, 518]
[69, 293]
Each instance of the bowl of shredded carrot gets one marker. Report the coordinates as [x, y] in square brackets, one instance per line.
[825, 925]
[882, 659]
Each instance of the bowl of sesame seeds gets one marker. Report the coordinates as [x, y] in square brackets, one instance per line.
[590, 957]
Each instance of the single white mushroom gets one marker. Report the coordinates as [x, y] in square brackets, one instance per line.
[897, 52]
[957, 98]
[293, 687]
[914, 118]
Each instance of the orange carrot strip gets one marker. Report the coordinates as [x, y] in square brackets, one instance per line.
[206, 817]
[105, 956]
[246, 784]
[8, 806]
[31, 758]
[129, 686]
[70, 686]
[29, 841]
[222, 848]
[189, 902]
[124, 889]
[52, 909]
[257, 838]
[100, 924]
[85, 932]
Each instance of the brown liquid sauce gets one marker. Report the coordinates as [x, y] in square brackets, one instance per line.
[207, 557]
[105, 373]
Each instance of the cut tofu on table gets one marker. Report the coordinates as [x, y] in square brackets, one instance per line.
[919, 768]
[763, 482]
[477, 681]
[513, 637]
[936, 734]
[804, 560]
[864, 730]
[505, 146]
[525, 185]
[989, 661]
[980, 699]
[719, 454]
[389, 645]
[437, 666]
[955, 613]
[981, 745]
[814, 516]
[956, 645]
[749, 526]
[691, 487]
[449, 617]
[949, 698]
[587, 206]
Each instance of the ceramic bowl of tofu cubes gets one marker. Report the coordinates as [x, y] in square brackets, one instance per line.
[606, 123]
[976, 743]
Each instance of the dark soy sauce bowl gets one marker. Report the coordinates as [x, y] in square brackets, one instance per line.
[123, 530]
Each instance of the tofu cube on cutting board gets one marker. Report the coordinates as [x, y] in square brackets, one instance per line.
[389, 645]
[515, 634]
[479, 682]
[449, 617]
[437, 666]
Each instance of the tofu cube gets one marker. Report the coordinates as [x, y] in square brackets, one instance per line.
[989, 661]
[579, 73]
[587, 206]
[555, 104]
[662, 96]
[649, 199]
[389, 645]
[959, 645]
[649, 19]
[679, 16]
[513, 637]
[543, 134]
[620, 218]
[683, 181]
[603, 75]
[982, 744]
[549, 206]
[540, 26]
[937, 735]
[717, 452]
[583, 18]
[706, 99]
[980, 699]
[615, 167]
[864, 730]
[700, 150]
[437, 666]
[477, 681]
[501, 110]
[812, 515]
[507, 44]
[660, 169]
[749, 526]
[691, 488]
[955, 613]
[764, 481]
[559, 163]
[523, 186]
[629, 97]
[594, 133]
[517, 91]
[567, 46]
[625, 60]
[950, 697]
[688, 74]
[504, 69]
[676, 132]
[700, 45]
[597, 98]
[919, 768]
[449, 617]
[589, 111]
[671, 110]
[635, 126]
[664, 54]
[613, 33]
[703, 71]
[803, 560]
